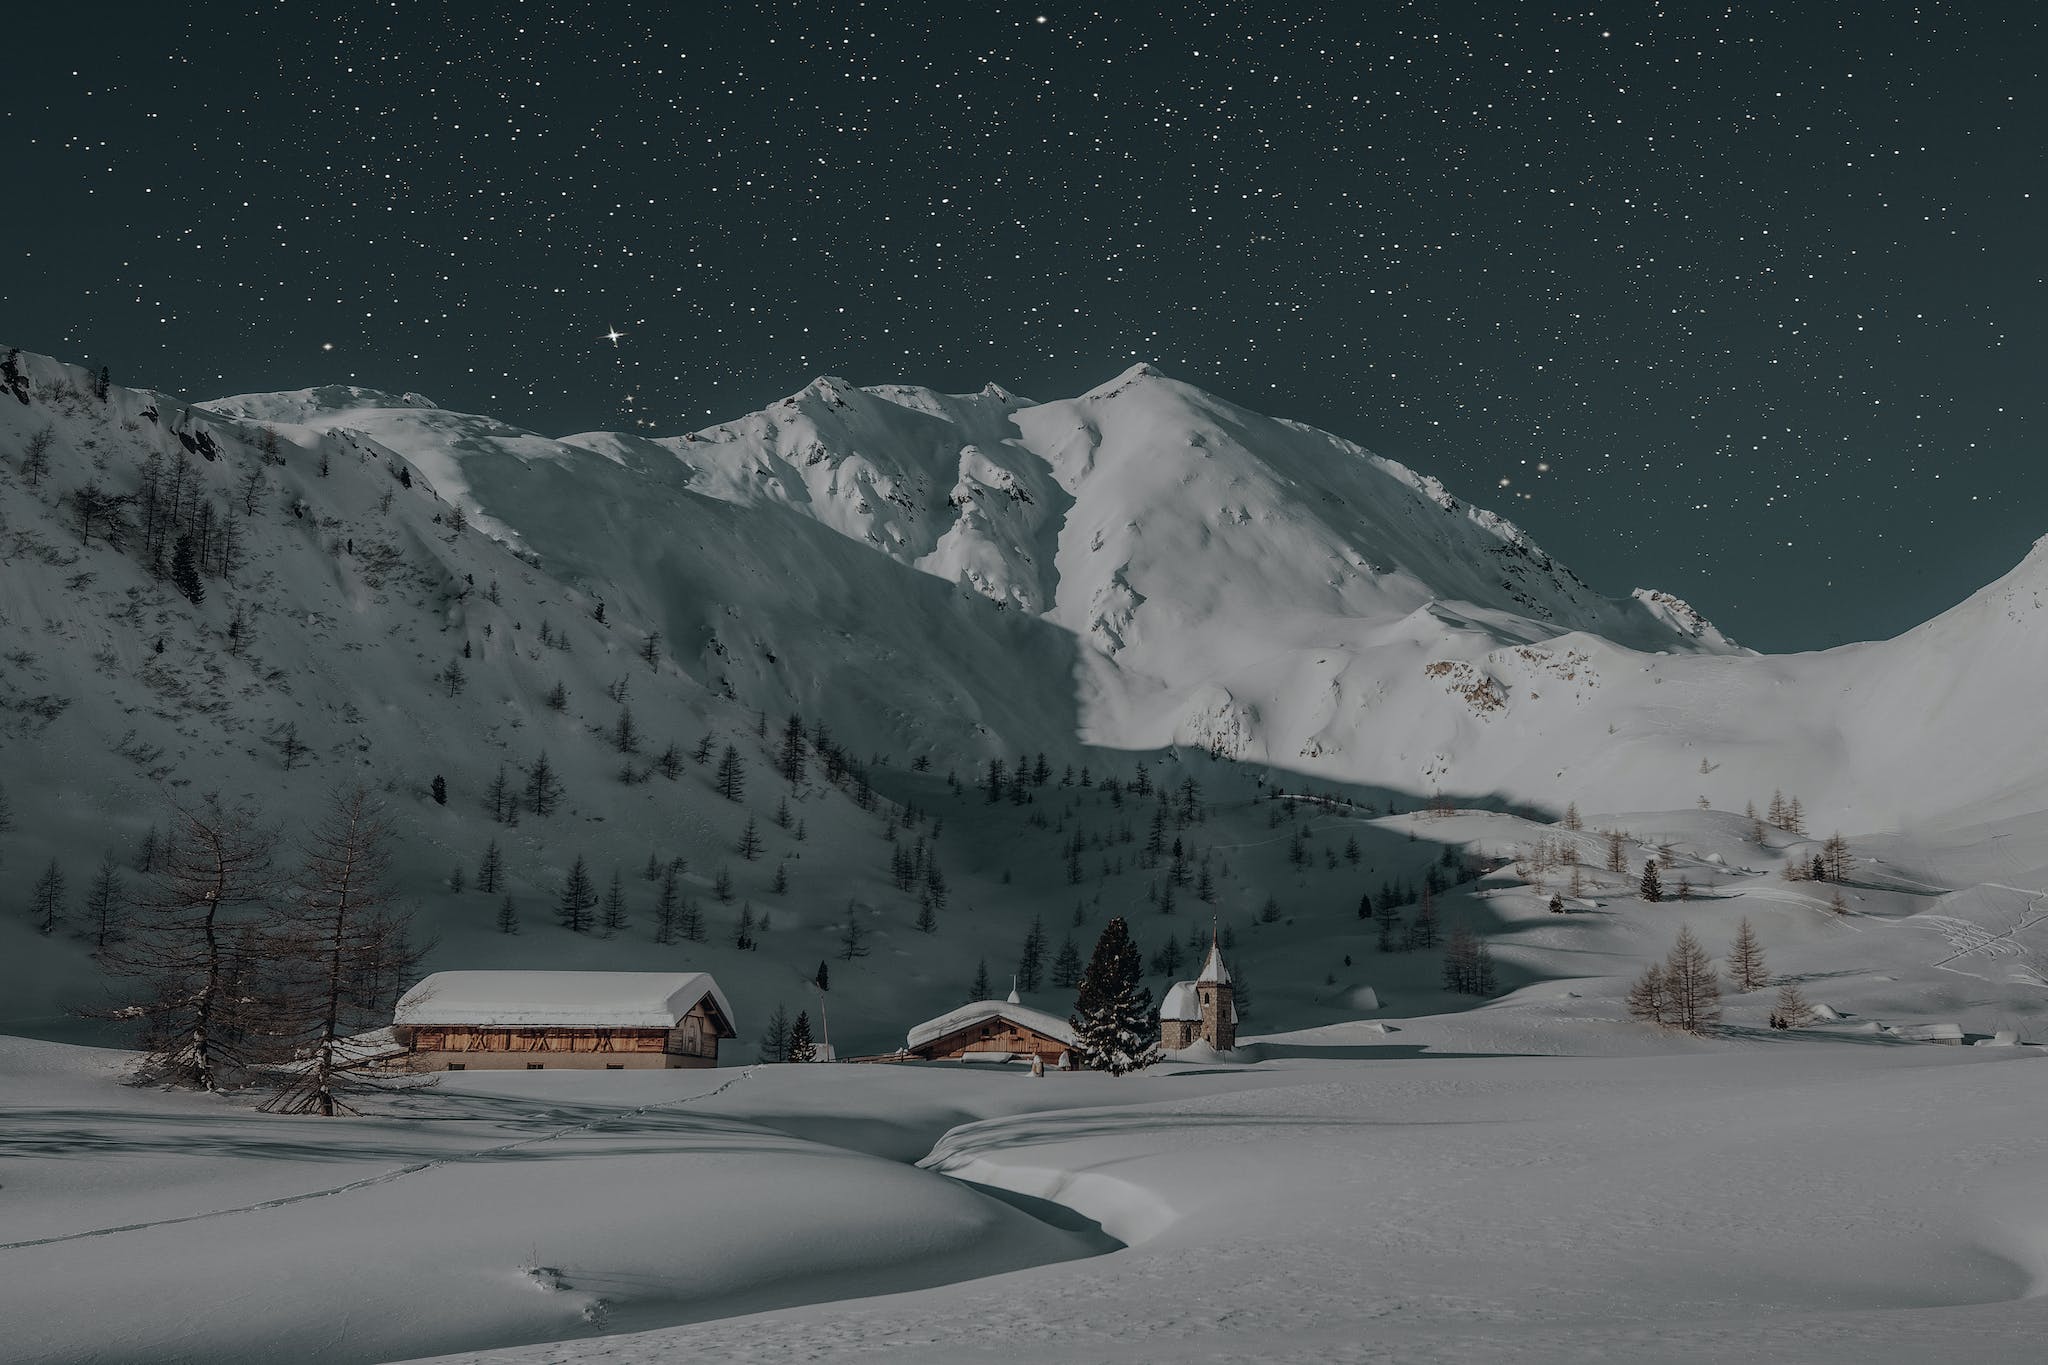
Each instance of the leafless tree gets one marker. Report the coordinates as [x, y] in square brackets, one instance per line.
[35, 460]
[342, 947]
[1792, 1010]
[186, 951]
[1746, 958]
[1691, 985]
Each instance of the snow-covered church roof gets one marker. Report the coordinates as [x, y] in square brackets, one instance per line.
[1213, 969]
[1038, 1021]
[540, 999]
[1183, 1002]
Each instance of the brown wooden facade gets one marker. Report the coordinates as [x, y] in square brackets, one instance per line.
[693, 1042]
[996, 1035]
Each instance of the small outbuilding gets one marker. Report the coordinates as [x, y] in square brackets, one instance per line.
[992, 1031]
[544, 1021]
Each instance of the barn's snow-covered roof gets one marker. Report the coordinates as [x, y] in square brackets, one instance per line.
[1038, 1021]
[539, 999]
[1182, 1003]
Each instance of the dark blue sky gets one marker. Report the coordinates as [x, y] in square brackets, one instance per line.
[1742, 301]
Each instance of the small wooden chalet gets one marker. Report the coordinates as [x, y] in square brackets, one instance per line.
[546, 1021]
[992, 1031]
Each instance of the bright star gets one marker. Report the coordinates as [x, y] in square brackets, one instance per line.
[613, 335]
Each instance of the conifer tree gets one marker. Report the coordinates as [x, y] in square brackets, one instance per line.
[500, 801]
[1066, 965]
[721, 885]
[690, 921]
[508, 917]
[543, 788]
[1652, 886]
[668, 903]
[823, 980]
[801, 1048]
[490, 868]
[779, 883]
[1835, 858]
[979, 990]
[749, 845]
[1113, 1018]
[1365, 905]
[1571, 816]
[105, 901]
[789, 756]
[625, 734]
[731, 777]
[927, 921]
[1617, 856]
[48, 901]
[1746, 959]
[615, 905]
[185, 570]
[853, 939]
[1390, 923]
[578, 899]
[775, 1037]
[743, 931]
[1031, 961]
[1423, 932]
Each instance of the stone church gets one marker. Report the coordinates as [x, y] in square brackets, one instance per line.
[1201, 1010]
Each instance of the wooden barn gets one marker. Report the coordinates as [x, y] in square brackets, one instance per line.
[545, 1021]
[991, 1031]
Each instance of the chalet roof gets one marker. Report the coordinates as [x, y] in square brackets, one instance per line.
[542, 999]
[1182, 1002]
[982, 1010]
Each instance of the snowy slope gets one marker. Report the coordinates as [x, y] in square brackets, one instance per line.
[939, 579]
[1217, 579]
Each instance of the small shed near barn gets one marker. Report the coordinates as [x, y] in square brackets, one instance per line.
[540, 1020]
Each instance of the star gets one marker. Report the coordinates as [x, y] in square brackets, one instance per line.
[612, 334]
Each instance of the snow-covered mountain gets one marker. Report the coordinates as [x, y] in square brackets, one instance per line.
[1141, 566]
[937, 581]
[1149, 565]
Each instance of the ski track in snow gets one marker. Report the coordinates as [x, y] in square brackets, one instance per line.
[384, 1177]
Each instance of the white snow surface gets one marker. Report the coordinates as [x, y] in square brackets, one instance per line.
[541, 999]
[1052, 1026]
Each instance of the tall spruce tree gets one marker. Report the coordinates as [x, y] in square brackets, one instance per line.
[1113, 1025]
[801, 1048]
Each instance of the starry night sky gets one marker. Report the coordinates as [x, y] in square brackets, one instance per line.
[1745, 302]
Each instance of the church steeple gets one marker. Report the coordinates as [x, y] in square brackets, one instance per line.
[1219, 1008]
